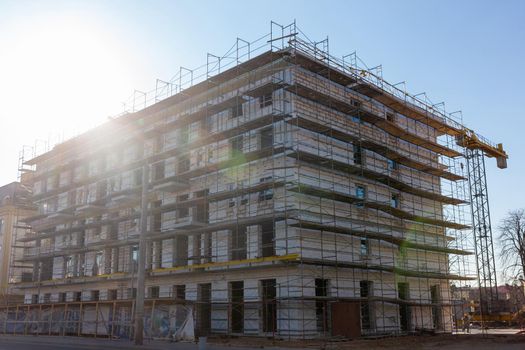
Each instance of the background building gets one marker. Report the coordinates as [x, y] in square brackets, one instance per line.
[15, 204]
[505, 309]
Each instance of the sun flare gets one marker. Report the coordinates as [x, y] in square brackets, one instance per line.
[70, 67]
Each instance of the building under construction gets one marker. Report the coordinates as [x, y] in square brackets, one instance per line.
[289, 193]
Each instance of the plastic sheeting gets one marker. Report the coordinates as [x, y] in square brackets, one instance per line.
[170, 322]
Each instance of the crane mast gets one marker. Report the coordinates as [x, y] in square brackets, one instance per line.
[476, 149]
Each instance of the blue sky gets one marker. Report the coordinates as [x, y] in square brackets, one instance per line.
[469, 54]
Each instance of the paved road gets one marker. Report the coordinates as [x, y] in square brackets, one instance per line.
[67, 343]
[10, 342]
[496, 339]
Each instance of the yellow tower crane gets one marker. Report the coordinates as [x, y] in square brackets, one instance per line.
[476, 148]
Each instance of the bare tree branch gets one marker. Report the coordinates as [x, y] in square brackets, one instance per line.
[511, 241]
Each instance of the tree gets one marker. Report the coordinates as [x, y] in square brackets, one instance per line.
[512, 244]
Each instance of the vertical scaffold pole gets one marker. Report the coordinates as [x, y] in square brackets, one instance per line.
[139, 302]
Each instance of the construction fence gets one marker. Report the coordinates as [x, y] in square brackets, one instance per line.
[111, 319]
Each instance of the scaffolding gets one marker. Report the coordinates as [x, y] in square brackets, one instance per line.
[290, 191]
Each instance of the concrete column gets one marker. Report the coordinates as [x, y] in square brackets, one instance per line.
[251, 310]
[221, 245]
[167, 253]
[192, 249]
[107, 260]
[220, 310]
[252, 240]
[115, 260]
[207, 250]
[181, 250]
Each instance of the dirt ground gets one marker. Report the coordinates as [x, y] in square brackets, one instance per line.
[496, 341]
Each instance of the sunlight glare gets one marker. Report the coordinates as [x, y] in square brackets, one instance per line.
[72, 69]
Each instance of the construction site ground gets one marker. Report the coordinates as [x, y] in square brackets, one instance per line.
[504, 339]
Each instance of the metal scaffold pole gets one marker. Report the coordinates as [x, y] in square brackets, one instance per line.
[139, 303]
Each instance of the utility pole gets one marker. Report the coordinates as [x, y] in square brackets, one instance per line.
[139, 301]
